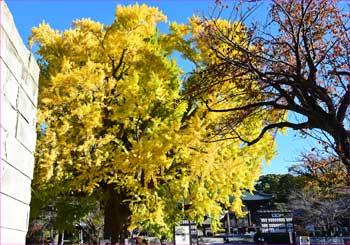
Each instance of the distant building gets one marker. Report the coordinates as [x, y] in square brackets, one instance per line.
[253, 202]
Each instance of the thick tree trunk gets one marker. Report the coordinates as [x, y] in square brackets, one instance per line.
[342, 141]
[116, 213]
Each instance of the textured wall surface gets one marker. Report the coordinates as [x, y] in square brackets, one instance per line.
[19, 93]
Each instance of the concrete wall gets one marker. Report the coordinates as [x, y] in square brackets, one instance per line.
[19, 93]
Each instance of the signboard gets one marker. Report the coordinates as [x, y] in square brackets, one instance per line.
[184, 232]
[182, 235]
[275, 221]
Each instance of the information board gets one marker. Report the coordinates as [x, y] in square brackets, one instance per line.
[275, 221]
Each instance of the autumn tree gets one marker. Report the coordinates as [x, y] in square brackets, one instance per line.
[324, 174]
[296, 63]
[325, 214]
[112, 121]
[322, 201]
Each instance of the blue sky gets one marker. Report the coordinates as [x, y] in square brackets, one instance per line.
[59, 14]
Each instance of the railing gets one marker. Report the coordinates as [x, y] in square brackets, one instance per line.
[323, 240]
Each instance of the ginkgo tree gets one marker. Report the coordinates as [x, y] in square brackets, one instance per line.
[112, 120]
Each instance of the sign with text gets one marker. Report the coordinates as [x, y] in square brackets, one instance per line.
[276, 221]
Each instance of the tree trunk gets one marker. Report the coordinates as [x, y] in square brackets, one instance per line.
[60, 237]
[347, 176]
[116, 213]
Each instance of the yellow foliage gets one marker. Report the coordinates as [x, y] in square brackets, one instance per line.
[111, 112]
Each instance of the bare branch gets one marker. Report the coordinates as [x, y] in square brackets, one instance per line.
[295, 126]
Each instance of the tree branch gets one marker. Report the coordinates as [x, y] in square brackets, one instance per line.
[344, 105]
[295, 126]
[116, 68]
[249, 106]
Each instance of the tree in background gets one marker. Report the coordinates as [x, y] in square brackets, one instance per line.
[299, 62]
[324, 174]
[319, 212]
[281, 186]
[112, 124]
[312, 195]
[55, 216]
[322, 203]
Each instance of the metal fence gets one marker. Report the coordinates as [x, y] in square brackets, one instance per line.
[323, 240]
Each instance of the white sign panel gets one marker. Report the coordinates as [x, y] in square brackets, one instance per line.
[304, 240]
[182, 235]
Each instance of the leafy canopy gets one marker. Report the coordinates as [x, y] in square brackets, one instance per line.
[111, 105]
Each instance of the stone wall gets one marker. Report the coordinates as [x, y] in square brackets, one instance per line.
[19, 93]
